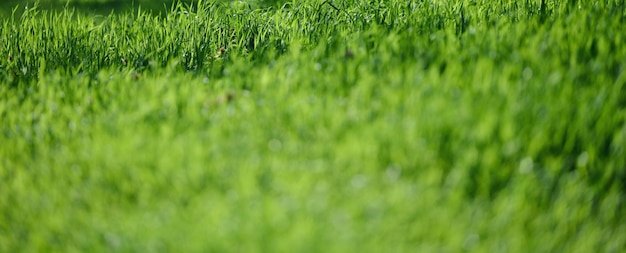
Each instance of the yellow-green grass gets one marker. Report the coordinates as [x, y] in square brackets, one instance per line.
[313, 126]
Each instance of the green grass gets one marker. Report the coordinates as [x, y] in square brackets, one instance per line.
[355, 126]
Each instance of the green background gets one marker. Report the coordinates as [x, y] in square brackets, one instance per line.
[361, 126]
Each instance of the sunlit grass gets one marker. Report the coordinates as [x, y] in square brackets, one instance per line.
[312, 126]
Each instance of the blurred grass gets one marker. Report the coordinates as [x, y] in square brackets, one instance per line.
[97, 7]
[392, 126]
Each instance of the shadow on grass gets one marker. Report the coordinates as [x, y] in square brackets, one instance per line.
[96, 7]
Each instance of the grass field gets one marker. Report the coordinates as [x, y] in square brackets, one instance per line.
[315, 126]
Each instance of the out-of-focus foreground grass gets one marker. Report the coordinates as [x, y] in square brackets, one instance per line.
[341, 126]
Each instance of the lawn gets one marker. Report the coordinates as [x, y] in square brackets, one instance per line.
[313, 126]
